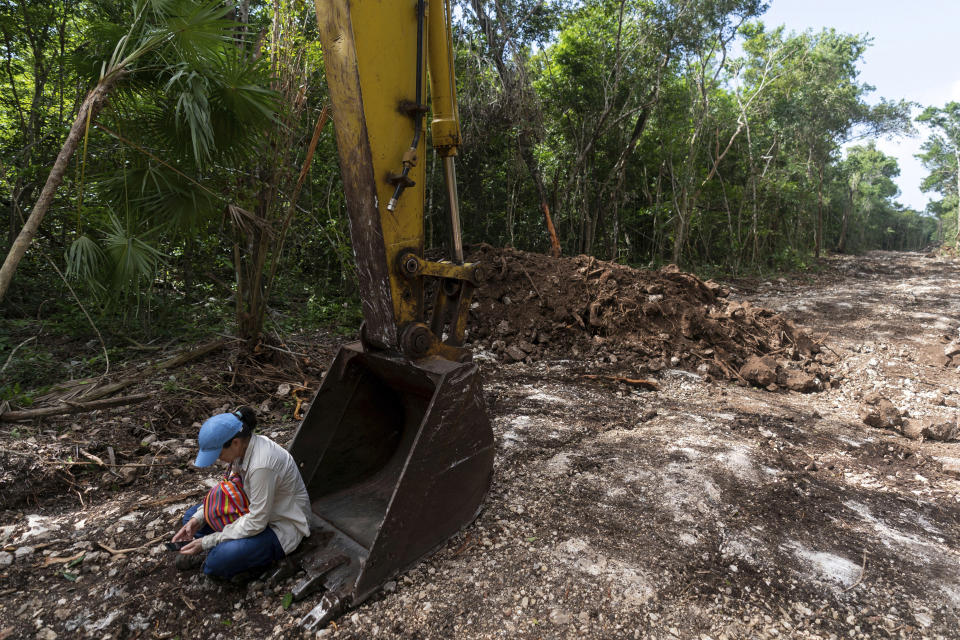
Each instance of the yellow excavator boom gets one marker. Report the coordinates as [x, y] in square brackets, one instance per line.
[396, 448]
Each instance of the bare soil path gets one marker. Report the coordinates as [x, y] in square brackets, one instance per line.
[705, 509]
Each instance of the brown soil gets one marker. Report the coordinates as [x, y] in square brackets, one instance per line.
[706, 508]
[534, 307]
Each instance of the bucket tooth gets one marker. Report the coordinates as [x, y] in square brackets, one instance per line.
[330, 607]
[317, 576]
[284, 570]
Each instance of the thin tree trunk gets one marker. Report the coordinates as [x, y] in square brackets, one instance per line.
[956, 240]
[91, 106]
[852, 190]
[818, 241]
[554, 241]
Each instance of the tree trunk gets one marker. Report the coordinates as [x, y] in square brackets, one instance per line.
[679, 239]
[91, 106]
[956, 240]
[554, 241]
[818, 241]
[842, 244]
[525, 147]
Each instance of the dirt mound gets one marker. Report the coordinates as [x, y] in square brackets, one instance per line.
[533, 306]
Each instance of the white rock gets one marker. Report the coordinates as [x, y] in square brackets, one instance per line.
[558, 616]
[38, 527]
[6, 559]
[23, 552]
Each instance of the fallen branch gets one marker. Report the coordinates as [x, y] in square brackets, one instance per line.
[71, 407]
[49, 561]
[171, 363]
[126, 464]
[168, 499]
[87, 454]
[636, 382]
[117, 552]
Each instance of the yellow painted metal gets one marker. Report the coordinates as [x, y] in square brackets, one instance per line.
[443, 86]
[370, 52]
[385, 33]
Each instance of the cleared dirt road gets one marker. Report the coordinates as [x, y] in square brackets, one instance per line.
[704, 509]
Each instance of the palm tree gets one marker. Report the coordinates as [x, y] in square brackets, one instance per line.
[182, 45]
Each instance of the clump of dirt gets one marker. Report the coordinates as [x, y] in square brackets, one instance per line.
[533, 306]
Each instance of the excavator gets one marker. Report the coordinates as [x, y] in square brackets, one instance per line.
[396, 449]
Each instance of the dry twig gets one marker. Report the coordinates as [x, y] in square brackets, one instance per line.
[636, 382]
[863, 570]
[117, 552]
[71, 407]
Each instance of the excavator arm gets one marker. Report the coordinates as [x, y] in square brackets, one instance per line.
[396, 449]
[376, 56]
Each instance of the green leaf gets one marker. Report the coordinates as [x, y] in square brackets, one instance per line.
[74, 563]
[72, 577]
[287, 600]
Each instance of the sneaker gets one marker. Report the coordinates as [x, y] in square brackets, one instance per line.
[188, 562]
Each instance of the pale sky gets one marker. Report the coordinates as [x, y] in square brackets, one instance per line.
[913, 57]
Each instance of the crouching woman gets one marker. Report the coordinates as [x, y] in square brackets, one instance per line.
[279, 508]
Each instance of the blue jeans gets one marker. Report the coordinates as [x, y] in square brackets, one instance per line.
[231, 557]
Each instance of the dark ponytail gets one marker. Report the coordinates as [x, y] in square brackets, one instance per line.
[249, 419]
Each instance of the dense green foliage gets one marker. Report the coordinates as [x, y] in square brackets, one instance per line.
[941, 155]
[652, 130]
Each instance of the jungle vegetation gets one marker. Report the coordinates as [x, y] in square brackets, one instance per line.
[169, 165]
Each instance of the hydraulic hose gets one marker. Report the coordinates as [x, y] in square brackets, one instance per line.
[411, 155]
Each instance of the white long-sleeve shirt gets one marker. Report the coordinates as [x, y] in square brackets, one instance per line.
[277, 495]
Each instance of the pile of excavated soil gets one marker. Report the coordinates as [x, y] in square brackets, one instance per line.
[533, 306]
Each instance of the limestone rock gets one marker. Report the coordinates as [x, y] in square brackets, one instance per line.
[761, 371]
[558, 616]
[952, 468]
[515, 354]
[941, 430]
[881, 415]
[799, 381]
[913, 429]
[23, 552]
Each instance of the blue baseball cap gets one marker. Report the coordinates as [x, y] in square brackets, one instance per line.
[215, 433]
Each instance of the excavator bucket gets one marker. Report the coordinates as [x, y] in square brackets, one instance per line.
[397, 457]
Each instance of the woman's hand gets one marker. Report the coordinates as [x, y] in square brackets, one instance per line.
[192, 548]
[188, 530]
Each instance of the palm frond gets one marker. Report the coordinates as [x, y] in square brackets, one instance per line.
[85, 262]
[189, 89]
[133, 257]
